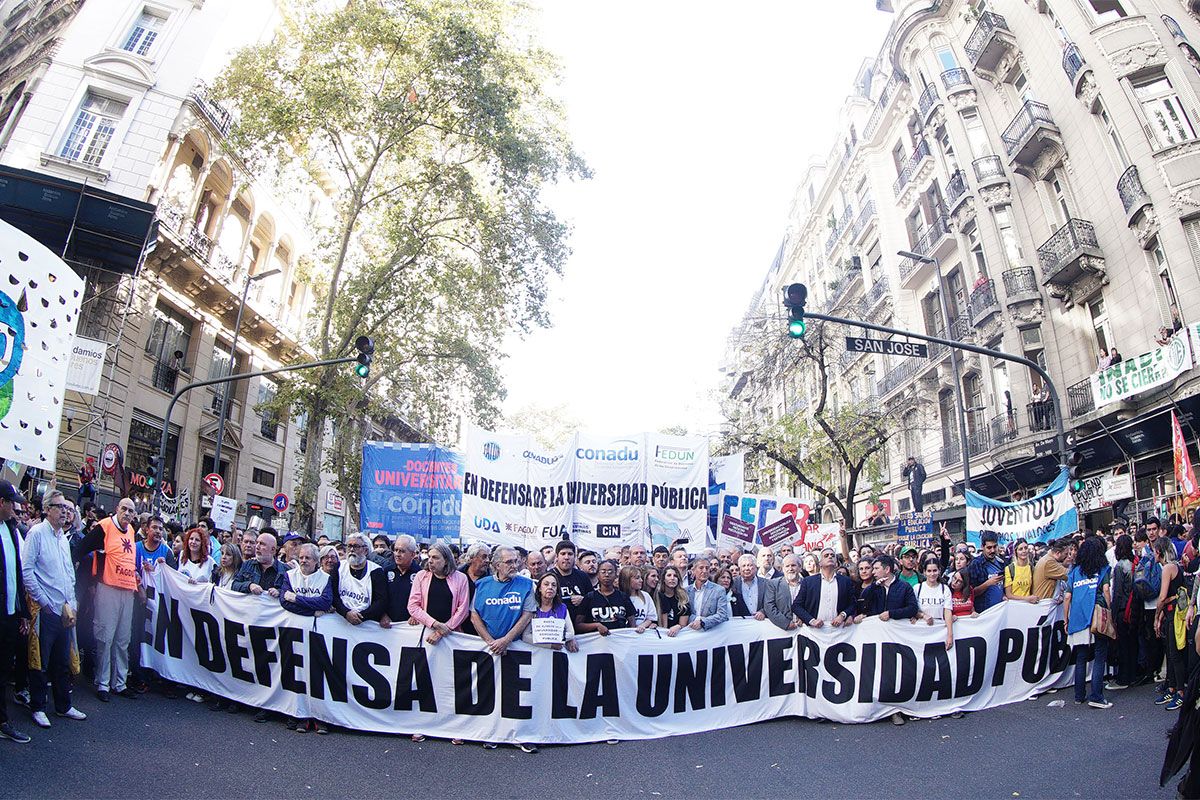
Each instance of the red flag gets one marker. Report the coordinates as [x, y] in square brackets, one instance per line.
[1185, 476]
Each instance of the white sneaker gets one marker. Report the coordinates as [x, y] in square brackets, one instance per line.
[190, 696]
[73, 713]
[41, 719]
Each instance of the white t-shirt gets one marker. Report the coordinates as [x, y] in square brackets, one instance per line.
[355, 592]
[200, 572]
[645, 609]
[933, 601]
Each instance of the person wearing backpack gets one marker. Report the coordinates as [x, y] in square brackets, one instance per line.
[1127, 614]
[1164, 623]
[1018, 575]
[1147, 580]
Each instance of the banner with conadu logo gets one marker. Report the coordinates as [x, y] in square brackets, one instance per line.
[602, 491]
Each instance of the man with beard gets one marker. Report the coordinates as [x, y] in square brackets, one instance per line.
[361, 591]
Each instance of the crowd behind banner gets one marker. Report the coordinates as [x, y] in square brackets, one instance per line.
[74, 591]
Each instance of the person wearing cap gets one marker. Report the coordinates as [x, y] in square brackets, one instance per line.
[908, 565]
[288, 546]
[49, 577]
[14, 608]
[112, 540]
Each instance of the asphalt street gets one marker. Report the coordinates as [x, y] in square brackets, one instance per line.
[158, 748]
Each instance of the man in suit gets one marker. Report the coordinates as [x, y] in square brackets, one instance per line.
[708, 601]
[782, 593]
[751, 588]
[826, 596]
[914, 473]
[14, 610]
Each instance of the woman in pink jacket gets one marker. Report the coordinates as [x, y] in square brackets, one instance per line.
[440, 598]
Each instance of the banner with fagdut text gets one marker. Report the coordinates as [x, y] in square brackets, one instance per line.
[1050, 515]
[603, 491]
[410, 488]
[623, 686]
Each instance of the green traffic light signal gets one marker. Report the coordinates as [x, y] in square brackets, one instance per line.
[150, 481]
[362, 370]
[1077, 485]
[796, 328]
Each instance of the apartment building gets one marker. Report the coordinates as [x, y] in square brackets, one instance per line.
[1044, 157]
[105, 105]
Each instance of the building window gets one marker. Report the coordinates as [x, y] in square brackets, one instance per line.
[949, 419]
[1060, 204]
[1163, 271]
[912, 437]
[1104, 11]
[1166, 120]
[144, 32]
[92, 129]
[1034, 350]
[1008, 236]
[145, 436]
[220, 367]
[206, 468]
[270, 419]
[263, 477]
[333, 526]
[170, 338]
[945, 57]
[1116, 147]
[1099, 315]
[976, 248]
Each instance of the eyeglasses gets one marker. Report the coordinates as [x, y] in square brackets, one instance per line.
[60, 506]
[356, 547]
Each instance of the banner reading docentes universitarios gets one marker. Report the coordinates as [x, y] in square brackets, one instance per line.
[623, 686]
[410, 488]
[602, 491]
[1050, 515]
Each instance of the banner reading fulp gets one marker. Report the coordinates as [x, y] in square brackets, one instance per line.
[1050, 515]
[410, 488]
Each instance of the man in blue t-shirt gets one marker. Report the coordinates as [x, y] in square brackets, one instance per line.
[986, 572]
[504, 602]
[152, 548]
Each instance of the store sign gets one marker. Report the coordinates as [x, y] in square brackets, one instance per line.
[1116, 487]
[1143, 373]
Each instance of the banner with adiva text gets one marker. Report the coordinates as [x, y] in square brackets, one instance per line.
[604, 491]
[623, 686]
[410, 488]
[1050, 515]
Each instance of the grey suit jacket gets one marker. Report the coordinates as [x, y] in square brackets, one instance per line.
[711, 606]
[779, 604]
[764, 588]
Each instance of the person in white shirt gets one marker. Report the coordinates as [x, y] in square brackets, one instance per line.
[194, 562]
[630, 581]
[49, 576]
[934, 602]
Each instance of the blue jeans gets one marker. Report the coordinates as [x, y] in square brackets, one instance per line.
[1099, 659]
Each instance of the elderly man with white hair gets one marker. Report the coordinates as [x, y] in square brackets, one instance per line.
[475, 567]
[360, 591]
[399, 576]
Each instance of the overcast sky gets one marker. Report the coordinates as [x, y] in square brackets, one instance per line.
[698, 120]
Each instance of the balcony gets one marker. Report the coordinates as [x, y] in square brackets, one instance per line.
[1072, 63]
[928, 102]
[163, 376]
[956, 190]
[900, 375]
[875, 296]
[956, 80]
[951, 453]
[1004, 428]
[1133, 195]
[198, 243]
[910, 168]
[960, 326]
[979, 441]
[865, 217]
[989, 42]
[842, 286]
[1071, 253]
[926, 243]
[1079, 398]
[989, 171]
[213, 113]
[1028, 133]
[1041, 416]
[1173, 27]
[983, 304]
[839, 227]
[1020, 285]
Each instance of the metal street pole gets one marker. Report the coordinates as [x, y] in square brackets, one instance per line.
[237, 330]
[162, 443]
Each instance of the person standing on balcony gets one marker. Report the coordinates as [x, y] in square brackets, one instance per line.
[914, 473]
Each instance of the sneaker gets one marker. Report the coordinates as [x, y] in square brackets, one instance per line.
[197, 698]
[490, 745]
[102, 695]
[262, 716]
[141, 687]
[1115, 686]
[73, 713]
[456, 741]
[956, 715]
[190, 696]
[898, 719]
[21, 698]
[418, 737]
[1176, 703]
[1100, 704]
[1164, 698]
[322, 728]
[613, 741]
[128, 693]
[7, 731]
[40, 718]
[301, 728]
[528, 748]
[292, 723]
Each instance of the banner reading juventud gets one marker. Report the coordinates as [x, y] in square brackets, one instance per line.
[602, 491]
[1050, 515]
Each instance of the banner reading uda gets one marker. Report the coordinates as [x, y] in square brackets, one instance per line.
[622, 686]
[603, 491]
[410, 488]
[1050, 515]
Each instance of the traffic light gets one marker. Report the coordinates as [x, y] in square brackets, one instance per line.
[1074, 465]
[794, 297]
[366, 348]
[153, 470]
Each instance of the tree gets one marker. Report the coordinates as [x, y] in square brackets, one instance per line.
[550, 427]
[828, 434]
[427, 126]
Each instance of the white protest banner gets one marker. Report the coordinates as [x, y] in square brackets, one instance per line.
[39, 309]
[725, 474]
[1050, 515]
[764, 510]
[86, 365]
[623, 686]
[223, 511]
[647, 488]
[1145, 372]
[818, 537]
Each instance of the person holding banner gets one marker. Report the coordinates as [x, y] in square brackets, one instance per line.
[893, 598]
[826, 596]
[399, 576]
[306, 589]
[606, 608]
[551, 624]
[1088, 582]
[194, 562]
[673, 608]
[782, 594]
[263, 573]
[631, 582]
[440, 598]
[709, 602]
[935, 601]
[1018, 575]
[987, 573]
[504, 602]
[573, 583]
[359, 592]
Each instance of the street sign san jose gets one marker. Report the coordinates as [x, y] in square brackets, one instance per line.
[887, 347]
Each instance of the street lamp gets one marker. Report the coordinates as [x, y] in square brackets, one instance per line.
[237, 329]
[954, 364]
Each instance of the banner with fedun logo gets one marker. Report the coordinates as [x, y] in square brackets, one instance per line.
[1050, 515]
[603, 491]
[623, 686]
[1143, 373]
[410, 488]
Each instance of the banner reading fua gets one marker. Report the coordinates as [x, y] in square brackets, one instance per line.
[622, 686]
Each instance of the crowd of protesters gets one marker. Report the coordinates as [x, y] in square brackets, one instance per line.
[72, 592]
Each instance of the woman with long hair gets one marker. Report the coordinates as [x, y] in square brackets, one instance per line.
[631, 582]
[550, 605]
[962, 595]
[194, 562]
[1127, 614]
[864, 585]
[1087, 585]
[1164, 622]
[673, 610]
[230, 563]
[650, 581]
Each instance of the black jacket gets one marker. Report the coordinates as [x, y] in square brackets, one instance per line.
[808, 599]
[9, 529]
[900, 601]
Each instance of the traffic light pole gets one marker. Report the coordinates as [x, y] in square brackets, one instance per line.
[1060, 436]
[162, 444]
